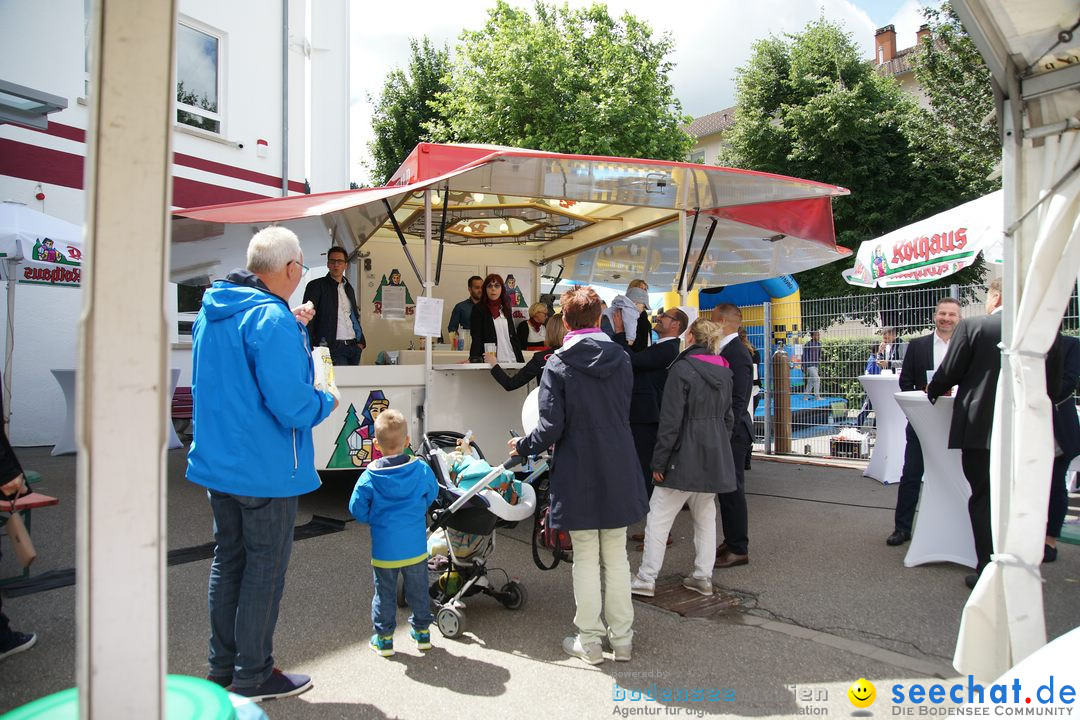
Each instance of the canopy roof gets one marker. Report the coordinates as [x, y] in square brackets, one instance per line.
[571, 205]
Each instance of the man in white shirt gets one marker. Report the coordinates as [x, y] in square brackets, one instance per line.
[922, 358]
[337, 320]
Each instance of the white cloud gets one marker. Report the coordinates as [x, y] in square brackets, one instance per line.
[712, 39]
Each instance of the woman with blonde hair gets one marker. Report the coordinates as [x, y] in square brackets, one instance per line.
[530, 332]
[692, 459]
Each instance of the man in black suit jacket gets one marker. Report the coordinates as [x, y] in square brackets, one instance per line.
[650, 374]
[923, 355]
[325, 294]
[1067, 436]
[734, 550]
[974, 363]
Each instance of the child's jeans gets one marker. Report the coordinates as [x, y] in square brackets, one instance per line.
[384, 603]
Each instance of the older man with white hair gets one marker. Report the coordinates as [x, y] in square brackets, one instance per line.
[254, 407]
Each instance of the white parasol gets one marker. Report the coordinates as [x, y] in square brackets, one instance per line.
[932, 248]
[36, 249]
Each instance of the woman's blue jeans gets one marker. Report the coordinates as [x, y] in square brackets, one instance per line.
[254, 539]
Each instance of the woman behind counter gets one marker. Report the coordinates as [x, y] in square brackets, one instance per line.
[531, 333]
[493, 324]
[554, 332]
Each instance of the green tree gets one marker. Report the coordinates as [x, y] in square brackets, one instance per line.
[342, 456]
[956, 81]
[809, 106]
[566, 80]
[404, 109]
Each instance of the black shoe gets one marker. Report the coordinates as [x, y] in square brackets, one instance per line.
[17, 642]
[899, 537]
[971, 580]
[278, 685]
[1049, 553]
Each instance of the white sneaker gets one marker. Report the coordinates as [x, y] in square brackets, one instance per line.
[698, 585]
[590, 653]
[642, 587]
[622, 652]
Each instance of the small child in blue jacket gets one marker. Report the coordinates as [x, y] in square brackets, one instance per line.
[393, 496]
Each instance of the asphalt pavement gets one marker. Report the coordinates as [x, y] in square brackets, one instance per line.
[822, 603]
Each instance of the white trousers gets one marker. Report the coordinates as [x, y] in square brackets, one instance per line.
[813, 380]
[602, 553]
[663, 509]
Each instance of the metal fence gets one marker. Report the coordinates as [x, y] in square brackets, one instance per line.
[849, 330]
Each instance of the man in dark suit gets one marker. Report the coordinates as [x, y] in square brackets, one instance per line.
[1067, 437]
[336, 321]
[734, 550]
[650, 374]
[923, 356]
[973, 362]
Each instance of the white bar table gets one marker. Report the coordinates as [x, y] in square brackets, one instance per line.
[65, 378]
[887, 460]
[942, 531]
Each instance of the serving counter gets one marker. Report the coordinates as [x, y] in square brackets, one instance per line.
[450, 397]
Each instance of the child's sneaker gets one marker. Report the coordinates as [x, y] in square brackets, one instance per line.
[382, 644]
[422, 638]
[17, 643]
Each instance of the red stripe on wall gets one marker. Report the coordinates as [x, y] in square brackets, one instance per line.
[53, 167]
[192, 193]
[230, 171]
[39, 164]
[79, 135]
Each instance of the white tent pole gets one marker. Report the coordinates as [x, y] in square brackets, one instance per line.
[428, 283]
[121, 387]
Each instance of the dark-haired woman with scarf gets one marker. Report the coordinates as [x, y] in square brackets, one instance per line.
[493, 324]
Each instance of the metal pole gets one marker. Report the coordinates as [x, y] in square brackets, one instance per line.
[766, 381]
[122, 382]
[681, 287]
[427, 293]
[284, 98]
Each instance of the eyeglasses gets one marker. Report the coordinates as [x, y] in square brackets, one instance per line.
[669, 317]
[302, 265]
[497, 286]
[337, 262]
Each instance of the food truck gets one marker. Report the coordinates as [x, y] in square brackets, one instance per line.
[453, 211]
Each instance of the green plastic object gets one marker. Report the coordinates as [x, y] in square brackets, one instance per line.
[186, 698]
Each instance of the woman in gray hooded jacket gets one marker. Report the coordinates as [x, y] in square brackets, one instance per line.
[692, 459]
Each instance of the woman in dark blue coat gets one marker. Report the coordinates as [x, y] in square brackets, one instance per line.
[595, 484]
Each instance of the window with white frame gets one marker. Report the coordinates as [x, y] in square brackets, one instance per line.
[697, 156]
[199, 86]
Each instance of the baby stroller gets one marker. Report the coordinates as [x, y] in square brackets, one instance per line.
[468, 518]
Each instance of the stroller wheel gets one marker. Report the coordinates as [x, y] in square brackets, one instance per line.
[513, 596]
[451, 622]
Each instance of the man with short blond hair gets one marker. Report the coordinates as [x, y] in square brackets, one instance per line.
[735, 549]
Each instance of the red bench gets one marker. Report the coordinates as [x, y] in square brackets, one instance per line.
[182, 405]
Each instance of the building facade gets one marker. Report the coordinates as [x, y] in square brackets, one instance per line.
[262, 108]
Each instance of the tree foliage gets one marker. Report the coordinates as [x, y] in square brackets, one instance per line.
[404, 109]
[956, 81]
[566, 80]
[809, 106]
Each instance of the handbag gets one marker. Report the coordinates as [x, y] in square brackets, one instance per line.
[20, 538]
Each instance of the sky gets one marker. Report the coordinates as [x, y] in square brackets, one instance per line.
[712, 39]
